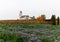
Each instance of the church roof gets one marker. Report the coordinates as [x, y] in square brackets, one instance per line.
[24, 16]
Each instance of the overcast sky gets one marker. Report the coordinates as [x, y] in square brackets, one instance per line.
[9, 9]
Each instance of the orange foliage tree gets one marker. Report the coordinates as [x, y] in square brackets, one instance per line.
[40, 19]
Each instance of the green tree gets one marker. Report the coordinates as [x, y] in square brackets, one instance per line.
[53, 20]
[57, 20]
[33, 17]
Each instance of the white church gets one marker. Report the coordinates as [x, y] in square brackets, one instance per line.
[24, 17]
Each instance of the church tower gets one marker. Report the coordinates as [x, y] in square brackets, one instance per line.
[20, 14]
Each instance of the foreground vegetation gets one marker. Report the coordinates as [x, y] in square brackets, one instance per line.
[29, 33]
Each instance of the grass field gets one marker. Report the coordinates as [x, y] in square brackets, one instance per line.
[29, 33]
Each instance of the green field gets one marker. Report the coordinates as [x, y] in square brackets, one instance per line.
[29, 33]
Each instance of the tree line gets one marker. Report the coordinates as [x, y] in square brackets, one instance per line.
[53, 20]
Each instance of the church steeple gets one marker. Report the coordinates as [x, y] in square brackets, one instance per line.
[20, 13]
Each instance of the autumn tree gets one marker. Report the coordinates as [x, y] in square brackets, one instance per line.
[41, 18]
